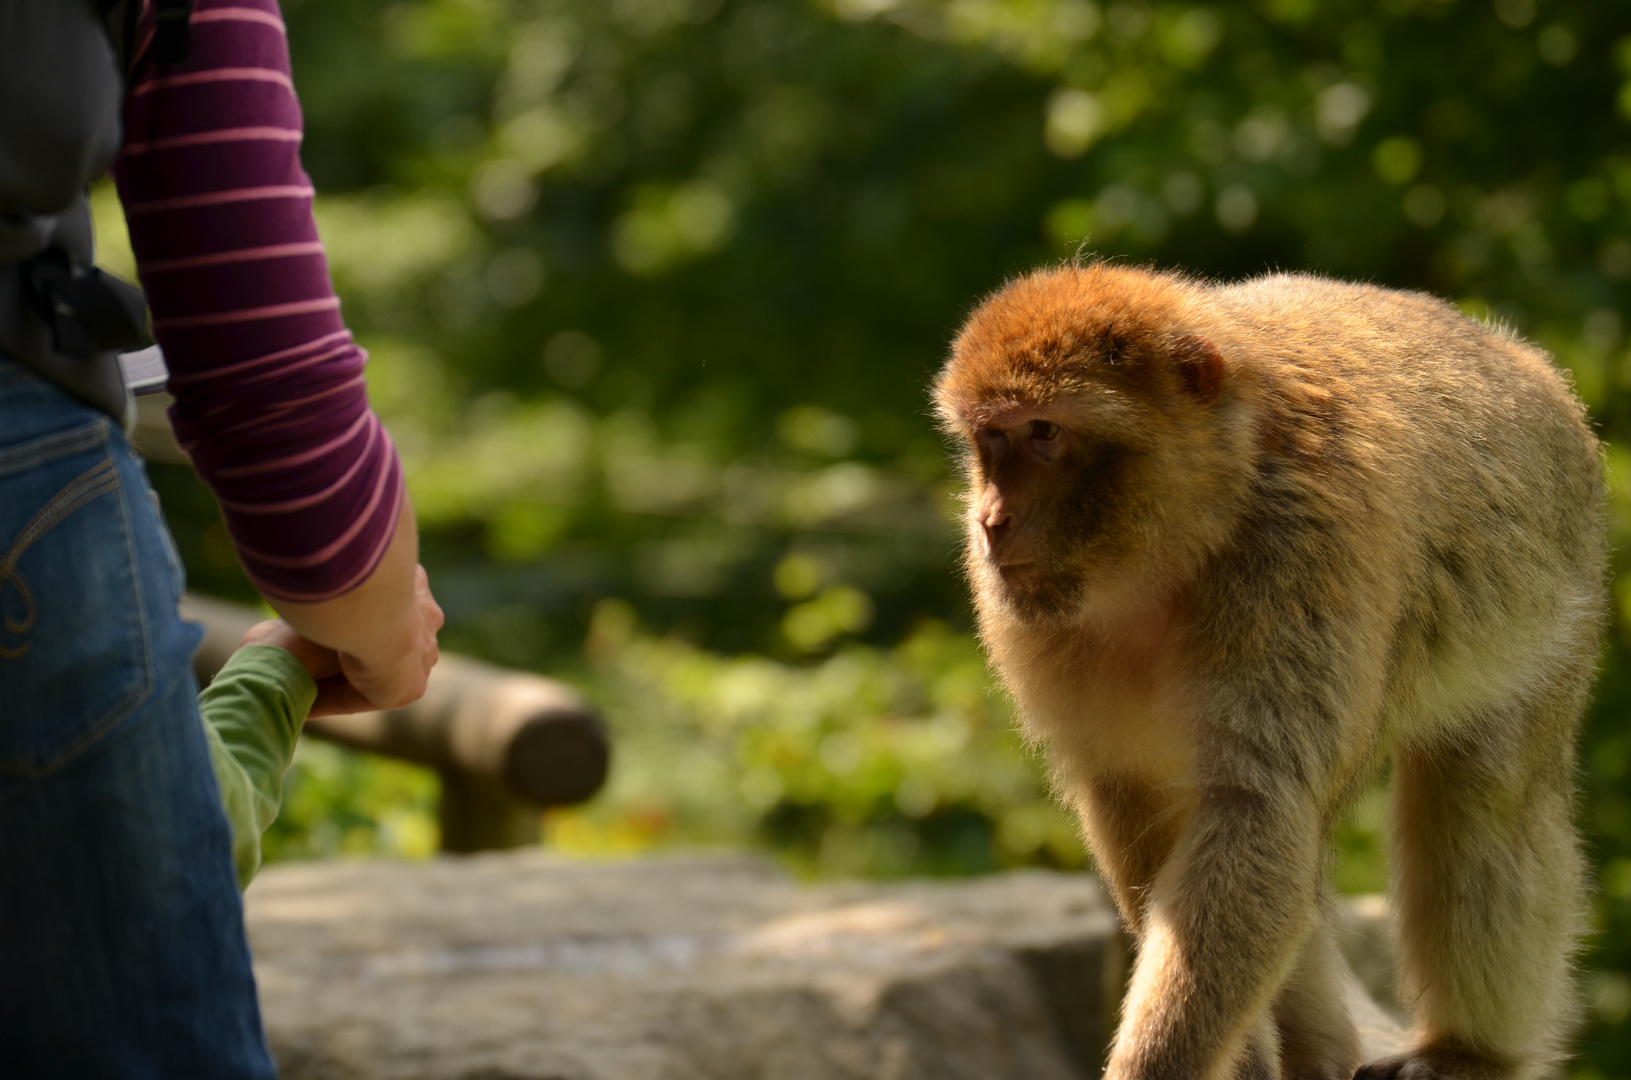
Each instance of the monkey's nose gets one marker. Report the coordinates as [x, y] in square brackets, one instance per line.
[996, 529]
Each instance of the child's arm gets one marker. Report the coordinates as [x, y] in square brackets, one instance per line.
[253, 712]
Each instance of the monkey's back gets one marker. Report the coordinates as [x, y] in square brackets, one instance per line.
[1459, 452]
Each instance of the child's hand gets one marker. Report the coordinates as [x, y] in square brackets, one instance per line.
[334, 694]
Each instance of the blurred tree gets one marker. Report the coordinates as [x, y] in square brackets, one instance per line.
[653, 290]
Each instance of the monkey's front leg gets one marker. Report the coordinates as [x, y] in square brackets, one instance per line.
[1228, 916]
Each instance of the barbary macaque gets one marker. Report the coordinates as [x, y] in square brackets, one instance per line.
[1235, 546]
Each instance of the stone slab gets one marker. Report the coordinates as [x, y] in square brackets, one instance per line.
[528, 966]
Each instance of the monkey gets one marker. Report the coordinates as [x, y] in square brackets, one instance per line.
[1236, 548]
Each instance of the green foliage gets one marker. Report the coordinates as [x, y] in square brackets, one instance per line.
[654, 288]
[870, 761]
[339, 804]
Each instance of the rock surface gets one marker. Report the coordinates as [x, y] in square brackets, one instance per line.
[527, 966]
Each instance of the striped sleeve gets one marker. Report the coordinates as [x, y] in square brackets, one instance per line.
[270, 401]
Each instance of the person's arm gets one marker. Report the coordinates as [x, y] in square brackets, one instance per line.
[270, 399]
[253, 711]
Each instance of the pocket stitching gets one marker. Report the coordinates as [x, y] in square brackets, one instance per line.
[95, 481]
[14, 459]
[144, 688]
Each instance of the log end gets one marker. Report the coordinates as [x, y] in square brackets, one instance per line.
[558, 757]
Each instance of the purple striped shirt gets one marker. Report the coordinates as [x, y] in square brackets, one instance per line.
[270, 401]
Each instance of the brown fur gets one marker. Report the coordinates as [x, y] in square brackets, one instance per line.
[1231, 547]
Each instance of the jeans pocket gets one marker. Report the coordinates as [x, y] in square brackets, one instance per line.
[75, 655]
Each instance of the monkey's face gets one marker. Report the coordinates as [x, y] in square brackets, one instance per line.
[1046, 509]
[1087, 404]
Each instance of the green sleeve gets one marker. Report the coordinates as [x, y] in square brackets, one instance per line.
[253, 712]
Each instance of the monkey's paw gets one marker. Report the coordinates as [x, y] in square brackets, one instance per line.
[1436, 1064]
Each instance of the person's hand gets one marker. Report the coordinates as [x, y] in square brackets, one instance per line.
[334, 694]
[394, 671]
[319, 662]
[384, 630]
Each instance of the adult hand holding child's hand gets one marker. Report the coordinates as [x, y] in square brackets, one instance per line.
[383, 632]
[395, 671]
[335, 695]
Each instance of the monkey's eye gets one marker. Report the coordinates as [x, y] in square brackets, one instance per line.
[1043, 430]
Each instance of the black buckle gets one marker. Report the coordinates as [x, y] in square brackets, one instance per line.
[89, 310]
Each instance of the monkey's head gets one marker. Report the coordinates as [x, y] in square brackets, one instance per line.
[1102, 434]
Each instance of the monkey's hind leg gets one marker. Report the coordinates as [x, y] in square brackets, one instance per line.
[1486, 888]
[1317, 1037]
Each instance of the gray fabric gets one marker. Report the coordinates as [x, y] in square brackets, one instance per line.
[60, 128]
[62, 93]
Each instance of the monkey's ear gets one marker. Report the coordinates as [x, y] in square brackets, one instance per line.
[1201, 367]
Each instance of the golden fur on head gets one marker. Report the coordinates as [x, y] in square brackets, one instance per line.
[1063, 331]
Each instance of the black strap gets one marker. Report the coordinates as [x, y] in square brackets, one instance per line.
[133, 15]
[88, 310]
[170, 36]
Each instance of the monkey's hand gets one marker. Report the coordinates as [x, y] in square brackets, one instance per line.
[1228, 915]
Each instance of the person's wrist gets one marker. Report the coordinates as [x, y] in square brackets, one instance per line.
[369, 626]
[363, 621]
[381, 652]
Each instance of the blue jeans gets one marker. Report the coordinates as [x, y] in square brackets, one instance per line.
[122, 947]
